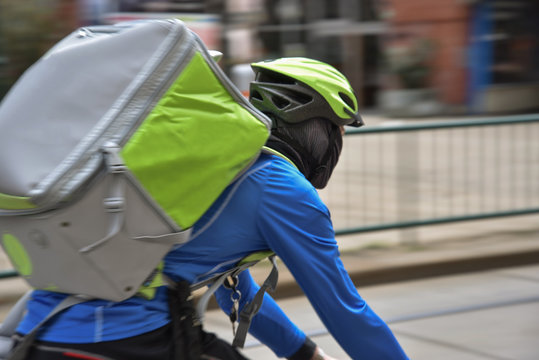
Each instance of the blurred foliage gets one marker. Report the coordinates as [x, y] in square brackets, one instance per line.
[410, 62]
[28, 29]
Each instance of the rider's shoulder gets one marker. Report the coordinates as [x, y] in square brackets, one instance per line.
[277, 167]
[281, 175]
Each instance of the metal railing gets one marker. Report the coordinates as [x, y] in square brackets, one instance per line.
[426, 173]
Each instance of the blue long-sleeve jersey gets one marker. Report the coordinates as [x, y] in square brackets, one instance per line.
[272, 206]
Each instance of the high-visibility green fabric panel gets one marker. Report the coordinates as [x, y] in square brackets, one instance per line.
[193, 144]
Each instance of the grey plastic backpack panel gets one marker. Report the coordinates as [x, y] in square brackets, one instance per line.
[114, 269]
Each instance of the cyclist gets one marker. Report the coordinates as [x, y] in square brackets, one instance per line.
[277, 207]
[272, 206]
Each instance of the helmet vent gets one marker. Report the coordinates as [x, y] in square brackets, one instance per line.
[256, 95]
[280, 102]
[347, 100]
[275, 78]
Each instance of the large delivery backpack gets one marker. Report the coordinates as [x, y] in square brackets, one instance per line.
[112, 146]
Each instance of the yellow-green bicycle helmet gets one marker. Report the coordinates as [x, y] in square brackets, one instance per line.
[296, 89]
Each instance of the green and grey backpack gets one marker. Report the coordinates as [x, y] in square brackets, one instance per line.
[111, 147]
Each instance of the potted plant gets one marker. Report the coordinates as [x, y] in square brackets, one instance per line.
[408, 65]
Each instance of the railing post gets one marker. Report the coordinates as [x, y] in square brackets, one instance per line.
[408, 187]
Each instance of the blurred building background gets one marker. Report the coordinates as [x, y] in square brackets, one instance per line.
[459, 195]
[403, 57]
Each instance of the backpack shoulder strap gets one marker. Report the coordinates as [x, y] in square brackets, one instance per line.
[20, 351]
[268, 150]
[251, 309]
[15, 315]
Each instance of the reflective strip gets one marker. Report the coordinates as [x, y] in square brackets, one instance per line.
[18, 255]
[10, 202]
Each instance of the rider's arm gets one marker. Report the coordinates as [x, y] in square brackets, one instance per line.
[270, 326]
[297, 227]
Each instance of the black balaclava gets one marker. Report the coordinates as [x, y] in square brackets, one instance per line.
[313, 145]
